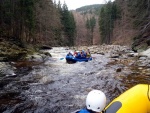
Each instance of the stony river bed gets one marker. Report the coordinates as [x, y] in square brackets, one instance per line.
[54, 86]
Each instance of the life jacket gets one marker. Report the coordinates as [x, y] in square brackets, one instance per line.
[83, 111]
[88, 55]
[78, 56]
[75, 54]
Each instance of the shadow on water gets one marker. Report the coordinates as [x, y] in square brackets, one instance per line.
[55, 86]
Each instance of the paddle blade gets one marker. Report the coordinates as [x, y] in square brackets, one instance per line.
[61, 58]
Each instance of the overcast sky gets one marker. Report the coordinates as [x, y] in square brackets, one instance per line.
[73, 4]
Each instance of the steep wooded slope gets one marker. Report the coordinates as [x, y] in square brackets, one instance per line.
[132, 28]
[86, 33]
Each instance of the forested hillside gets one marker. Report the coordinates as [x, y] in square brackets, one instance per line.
[87, 27]
[90, 9]
[126, 22]
[119, 22]
[37, 22]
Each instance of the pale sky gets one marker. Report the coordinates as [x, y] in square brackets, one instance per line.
[73, 4]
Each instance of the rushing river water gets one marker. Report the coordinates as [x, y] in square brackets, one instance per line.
[55, 86]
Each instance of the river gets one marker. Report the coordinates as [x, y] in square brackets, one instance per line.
[55, 86]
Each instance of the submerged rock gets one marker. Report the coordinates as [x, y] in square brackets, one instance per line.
[6, 69]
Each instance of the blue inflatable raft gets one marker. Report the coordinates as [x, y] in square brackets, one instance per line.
[73, 59]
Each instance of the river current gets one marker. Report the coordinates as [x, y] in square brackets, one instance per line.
[55, 86]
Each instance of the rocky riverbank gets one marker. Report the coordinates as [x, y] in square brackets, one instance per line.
[122, 55]
[113, 50]
[10, 49]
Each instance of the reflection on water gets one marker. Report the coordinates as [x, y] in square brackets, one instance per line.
[55, 86]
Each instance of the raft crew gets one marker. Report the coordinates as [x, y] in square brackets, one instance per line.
[81, 54]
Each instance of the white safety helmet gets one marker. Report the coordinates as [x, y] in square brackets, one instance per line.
[96, 100]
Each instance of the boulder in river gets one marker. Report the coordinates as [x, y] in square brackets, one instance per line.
[145, 53]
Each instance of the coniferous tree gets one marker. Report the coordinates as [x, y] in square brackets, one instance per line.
[69, 27]
[90, 24]
[108, 14]
[36, 21]
[17, 18]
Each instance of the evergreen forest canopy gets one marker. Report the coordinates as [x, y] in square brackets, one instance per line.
[37, 22]
[108, 14]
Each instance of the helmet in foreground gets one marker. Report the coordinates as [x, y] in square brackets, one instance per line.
[96, 100]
